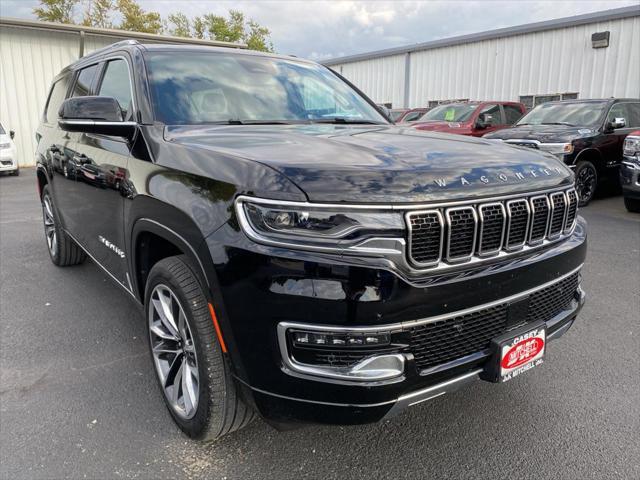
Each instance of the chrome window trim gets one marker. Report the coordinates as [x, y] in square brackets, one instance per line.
[564, 215]
[447, 214]
[530, 241]
[481, 229]
[408, 216]
[518, 246]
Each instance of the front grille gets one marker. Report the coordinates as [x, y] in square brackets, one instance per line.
[540, 218]
[492, 218]
[486, 229]
[572, 210]
[461, 225]
[443, 341]
[426, 236]
[518, 211]
[558, 210]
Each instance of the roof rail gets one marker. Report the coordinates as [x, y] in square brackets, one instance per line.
[121, 43]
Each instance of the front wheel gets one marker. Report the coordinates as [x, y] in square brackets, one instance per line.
[632, 204]
[586, 181]
[193, 375]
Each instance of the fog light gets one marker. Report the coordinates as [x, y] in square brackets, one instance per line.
[334, 339]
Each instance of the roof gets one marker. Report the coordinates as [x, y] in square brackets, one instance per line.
[114, 33]
[602, 16]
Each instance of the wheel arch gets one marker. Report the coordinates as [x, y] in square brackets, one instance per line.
[592, 155]
[42, 179]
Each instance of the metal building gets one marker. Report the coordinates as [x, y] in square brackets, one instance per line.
[32, 53]
[586, 56]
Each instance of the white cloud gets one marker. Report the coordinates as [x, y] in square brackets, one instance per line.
[323, 29]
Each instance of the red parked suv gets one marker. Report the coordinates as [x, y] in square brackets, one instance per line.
[471, 118]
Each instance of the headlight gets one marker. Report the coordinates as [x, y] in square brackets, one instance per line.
[631, 146]
[558, 149]
[4, 145]
[313, 226]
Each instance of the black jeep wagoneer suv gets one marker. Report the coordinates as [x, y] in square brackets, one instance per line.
[297, 255]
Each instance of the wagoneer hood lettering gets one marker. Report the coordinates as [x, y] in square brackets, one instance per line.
[365, 163]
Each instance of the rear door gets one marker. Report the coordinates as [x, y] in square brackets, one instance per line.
[100, 166]
[67, 163]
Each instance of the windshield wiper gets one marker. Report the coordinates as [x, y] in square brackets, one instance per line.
[340, 120]
[558, 123]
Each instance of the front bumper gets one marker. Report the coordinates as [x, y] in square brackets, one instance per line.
[630, 178]
[261, 292]
[8, 161]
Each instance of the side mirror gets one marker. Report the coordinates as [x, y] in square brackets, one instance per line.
[618, 122]
[386, 112]
[101, 115]
[484, 120]
[12, 134]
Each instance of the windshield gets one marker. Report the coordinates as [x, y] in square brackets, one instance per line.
[396, 114]
[2, 132]
[582, 114]
[199, 87]
[450, 113]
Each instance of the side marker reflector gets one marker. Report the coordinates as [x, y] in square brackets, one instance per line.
[217, 327]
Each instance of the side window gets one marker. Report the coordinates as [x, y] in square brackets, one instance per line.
[412, 116]
[494, 111]
[116, 84]
[634, 115]
[56, 97]
[82, 88]
[619, 110]
[512, 114]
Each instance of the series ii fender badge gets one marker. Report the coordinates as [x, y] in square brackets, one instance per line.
[111, 246]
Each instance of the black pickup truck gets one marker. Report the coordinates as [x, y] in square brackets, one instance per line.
[586, 135]
[296, 255]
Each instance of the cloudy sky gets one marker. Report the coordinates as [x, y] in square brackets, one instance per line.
[321, 29]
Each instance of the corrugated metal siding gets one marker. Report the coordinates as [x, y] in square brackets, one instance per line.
[554, 61]
[382, 79]
[30, 59]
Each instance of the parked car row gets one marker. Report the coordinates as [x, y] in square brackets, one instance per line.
[586, 135]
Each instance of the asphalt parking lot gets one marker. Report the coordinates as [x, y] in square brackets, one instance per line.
[78, 398]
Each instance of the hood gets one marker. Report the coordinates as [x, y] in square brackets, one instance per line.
[543, 133]
[378, 163]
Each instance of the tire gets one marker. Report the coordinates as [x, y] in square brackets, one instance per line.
[586, 182]
[16, 172]
[63, 250]
[192, 363]
[632, 204]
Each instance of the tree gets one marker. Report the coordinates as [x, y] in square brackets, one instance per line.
[60, 11]
[181, 26]
[135, 19]
[257, 38]
[233, 29]
[98, 14]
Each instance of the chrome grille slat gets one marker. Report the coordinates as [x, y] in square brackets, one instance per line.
[492, 223]
[426, 233]
[517, 223]
[558, 213]
[572, 210]
[462, 223]
[540, 210]
[454, 235]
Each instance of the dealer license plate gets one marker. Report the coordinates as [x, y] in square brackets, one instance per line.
[522, 353]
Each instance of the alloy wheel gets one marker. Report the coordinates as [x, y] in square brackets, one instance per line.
[586, 183]
[173, 351]
[49, 225]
